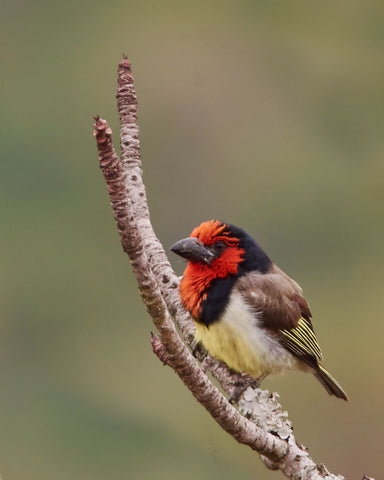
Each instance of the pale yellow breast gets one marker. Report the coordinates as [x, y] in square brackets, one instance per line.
[238, 340]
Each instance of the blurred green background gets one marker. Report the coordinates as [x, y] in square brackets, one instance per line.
[268, 115]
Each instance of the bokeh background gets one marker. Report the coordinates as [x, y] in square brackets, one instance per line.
[268, 115]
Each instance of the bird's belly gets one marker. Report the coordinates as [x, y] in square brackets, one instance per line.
[238, 340]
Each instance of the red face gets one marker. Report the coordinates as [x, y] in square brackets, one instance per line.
[212, 253]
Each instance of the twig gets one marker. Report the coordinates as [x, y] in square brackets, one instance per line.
[262, 425]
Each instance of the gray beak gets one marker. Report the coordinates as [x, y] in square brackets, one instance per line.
[194, 251]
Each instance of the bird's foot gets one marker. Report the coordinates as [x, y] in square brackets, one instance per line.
[241, 381]
[260, 379]
[199, 352]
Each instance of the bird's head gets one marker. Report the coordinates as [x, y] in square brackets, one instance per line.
[217, 254]
[222, 249]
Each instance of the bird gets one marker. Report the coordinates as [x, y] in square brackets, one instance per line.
[247, 312]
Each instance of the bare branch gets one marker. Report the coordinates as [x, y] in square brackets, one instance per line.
[262, 424]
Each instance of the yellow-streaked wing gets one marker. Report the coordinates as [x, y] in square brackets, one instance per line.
[301, 340]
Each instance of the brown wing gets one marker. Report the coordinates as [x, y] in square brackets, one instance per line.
[276, 296]
[283, 310]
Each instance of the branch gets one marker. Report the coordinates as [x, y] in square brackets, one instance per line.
[262, 424]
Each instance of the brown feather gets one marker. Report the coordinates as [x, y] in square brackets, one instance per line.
[276, 296]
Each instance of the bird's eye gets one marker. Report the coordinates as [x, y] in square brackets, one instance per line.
[219, 246]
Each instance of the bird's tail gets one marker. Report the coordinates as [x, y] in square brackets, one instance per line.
[330, 383]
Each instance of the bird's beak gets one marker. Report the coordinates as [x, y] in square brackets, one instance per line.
[194, 251]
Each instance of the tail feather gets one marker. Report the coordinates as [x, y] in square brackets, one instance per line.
[330, 383]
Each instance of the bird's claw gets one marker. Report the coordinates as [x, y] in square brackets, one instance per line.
[199, 352]
[240, 383]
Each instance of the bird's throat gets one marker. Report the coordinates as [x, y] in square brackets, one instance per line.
[203, 294]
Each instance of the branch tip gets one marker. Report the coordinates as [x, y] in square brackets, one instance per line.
[125, 77]
[126, 64]
[108, 159]
[101, 129]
